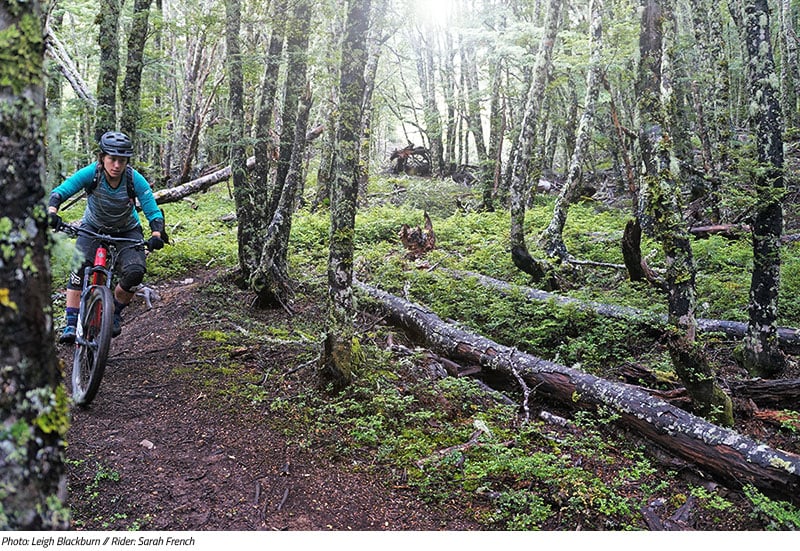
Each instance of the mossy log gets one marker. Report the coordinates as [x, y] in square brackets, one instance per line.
[725, 454]
[788, 337]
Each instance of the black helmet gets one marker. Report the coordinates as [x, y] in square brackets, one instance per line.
[116, 143]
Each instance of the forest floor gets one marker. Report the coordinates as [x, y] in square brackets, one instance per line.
[155, 452]
[161, 448]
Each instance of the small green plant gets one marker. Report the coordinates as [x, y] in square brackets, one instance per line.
[214, 335]
[710, 500]
[521, 510]
[138, 523]
[776, 515]
[790, 421]
[102, 475]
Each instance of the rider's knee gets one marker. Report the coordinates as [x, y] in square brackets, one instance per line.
[131, 277]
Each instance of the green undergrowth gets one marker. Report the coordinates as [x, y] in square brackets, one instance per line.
[448, 439]
[203, 235]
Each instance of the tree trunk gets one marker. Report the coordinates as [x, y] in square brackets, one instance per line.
[338, 355]
[249, 226]
[497, 128]
[108, 40]
[631, 245]
[327, 153]
[761, 355]
[729, 456]
[270, 279]
[622, 135]
[520, 184]
[264, 145]
[296, 60]
[552, 239]
[790, 69]
[473, 112]
[326, 159]
[34, 407]
[448, 77]
[426, 71]
[661, 192]
[130, 94]
[375, 44]
[494, 161]
[195, 104]
[54, 93]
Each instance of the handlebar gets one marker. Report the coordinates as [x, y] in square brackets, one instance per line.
[74, 231]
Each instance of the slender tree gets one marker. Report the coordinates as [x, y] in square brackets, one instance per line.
[761, 354]
[790, 66]
[375, 42]
[194, 98]
[270, 279]
[55, 82]
[448, 79]
[248, 226]
[108, 39]
[660, 185]
[328, 114]
[494, 154]
[524, 154]
[264, 145]
[426, 71]
[338, 355]
[552, 238]
[34, 408]
[297, 54]
[130, 93]
[469, 66]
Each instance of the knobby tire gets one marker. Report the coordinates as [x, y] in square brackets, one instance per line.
[89, 361]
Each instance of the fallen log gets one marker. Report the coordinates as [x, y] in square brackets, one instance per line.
[728, 231]
[725, 454]
[776, 393]
[788, 337]
[783, 393]
[173, 194]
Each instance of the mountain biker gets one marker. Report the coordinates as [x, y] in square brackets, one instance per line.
[112, 187]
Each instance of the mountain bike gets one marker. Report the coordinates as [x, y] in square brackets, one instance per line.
[95, 313]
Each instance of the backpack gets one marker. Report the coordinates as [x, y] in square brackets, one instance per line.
[128, 177]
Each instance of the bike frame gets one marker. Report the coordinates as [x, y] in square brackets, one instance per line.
[100, 273]
[93, 330]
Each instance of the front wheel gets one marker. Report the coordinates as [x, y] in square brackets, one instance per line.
[92, 344]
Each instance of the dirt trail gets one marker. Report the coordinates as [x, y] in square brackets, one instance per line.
[151, 452]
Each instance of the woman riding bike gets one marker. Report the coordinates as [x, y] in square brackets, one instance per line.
[112, 187]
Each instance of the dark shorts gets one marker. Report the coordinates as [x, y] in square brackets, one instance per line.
[130, 263]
